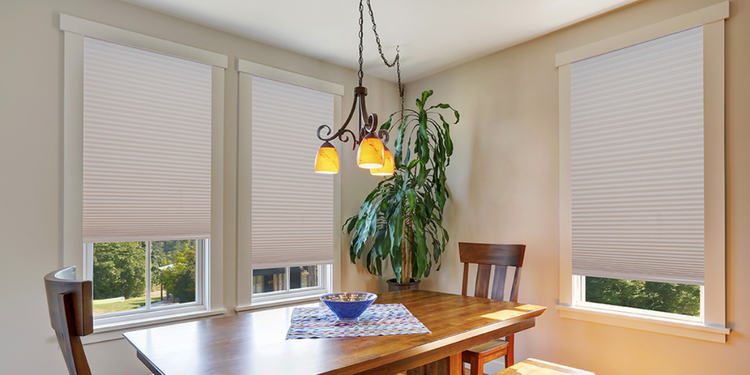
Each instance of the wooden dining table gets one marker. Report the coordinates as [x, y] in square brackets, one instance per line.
[255, 342]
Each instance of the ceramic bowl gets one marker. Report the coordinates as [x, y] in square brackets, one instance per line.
[349, 305]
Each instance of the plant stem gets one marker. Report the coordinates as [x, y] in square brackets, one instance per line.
[406, 251]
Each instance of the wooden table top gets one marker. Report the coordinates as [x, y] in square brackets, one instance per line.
[255, 343]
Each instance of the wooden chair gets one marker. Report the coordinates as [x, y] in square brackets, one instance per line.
[486, 256]
[70, 303]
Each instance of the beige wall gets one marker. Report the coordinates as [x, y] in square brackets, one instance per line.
[504, 179]
[31, 163]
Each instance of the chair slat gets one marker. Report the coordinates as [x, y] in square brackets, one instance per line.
[483, 281]
[516, 285]
[466, 279]
[498, 283]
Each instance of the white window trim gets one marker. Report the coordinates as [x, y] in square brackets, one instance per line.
[713, 327]
[294, 296]
[74, 31]
[201, 283]
[245, 299]
[325, 286]
[579, 300]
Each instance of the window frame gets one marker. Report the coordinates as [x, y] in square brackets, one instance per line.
[74, 30]
[201, 285]
[713, 298]
[281, 296]
[579, 299]
[245, 299]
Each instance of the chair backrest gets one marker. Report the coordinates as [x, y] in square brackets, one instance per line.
[70, 303]
[487, 256]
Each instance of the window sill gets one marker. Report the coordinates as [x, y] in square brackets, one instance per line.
[651, 324]
[114, 331]
[276, 302]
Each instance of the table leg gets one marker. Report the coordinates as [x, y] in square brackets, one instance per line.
[452, 365]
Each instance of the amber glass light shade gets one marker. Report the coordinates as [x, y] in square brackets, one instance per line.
[388, 166]
[370, 154]
[327, 160]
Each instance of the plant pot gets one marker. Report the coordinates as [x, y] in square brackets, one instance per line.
[393, 285]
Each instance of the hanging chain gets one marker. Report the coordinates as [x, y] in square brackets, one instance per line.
[360, 74]
[396, 60]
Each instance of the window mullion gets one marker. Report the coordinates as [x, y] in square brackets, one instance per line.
[287, 279]
[201, 269]
[88, 260]
[148, 275]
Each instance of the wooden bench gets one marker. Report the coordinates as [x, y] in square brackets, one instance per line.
[536, 367]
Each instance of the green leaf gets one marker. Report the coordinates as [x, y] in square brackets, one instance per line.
[441, 105]
[411, 196]
[421, 248]
[425, 95]
[421, 176]
[387, 125]
[395, 227]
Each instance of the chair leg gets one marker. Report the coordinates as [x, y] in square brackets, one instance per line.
[477, 368]
[509, 361]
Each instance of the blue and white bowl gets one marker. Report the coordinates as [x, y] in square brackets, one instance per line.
[349, 305]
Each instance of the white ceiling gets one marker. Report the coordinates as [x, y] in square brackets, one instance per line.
[434, 35]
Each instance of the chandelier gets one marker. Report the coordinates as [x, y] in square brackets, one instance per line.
[373, 154]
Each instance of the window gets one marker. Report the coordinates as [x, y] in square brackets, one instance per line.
[275, 279]
[637, 169]
[141, 276]
[682, 299]
[288, 241]
[641, 180]
[141, 168]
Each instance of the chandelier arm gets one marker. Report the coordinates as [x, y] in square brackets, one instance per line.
[371, 119]
[384, 136]
[344, 137]
[341, 134]
[320, 130]
[363, 115]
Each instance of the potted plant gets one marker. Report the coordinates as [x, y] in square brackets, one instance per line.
[402, 218]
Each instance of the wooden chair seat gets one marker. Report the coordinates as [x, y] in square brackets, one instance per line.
[478, 355]
[489, 346]
[533, 366]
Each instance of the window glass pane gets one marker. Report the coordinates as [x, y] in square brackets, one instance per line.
[269, 280]
[672, 298]
[119, 276]
[303, 277]
[173, 268]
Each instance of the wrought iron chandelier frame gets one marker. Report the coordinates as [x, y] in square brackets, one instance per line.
[368, 122]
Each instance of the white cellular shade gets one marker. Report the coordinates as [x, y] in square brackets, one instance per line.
[147, 145]
[637, 161]
[292, 206]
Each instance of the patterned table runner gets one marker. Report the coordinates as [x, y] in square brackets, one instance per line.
[377, 320]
